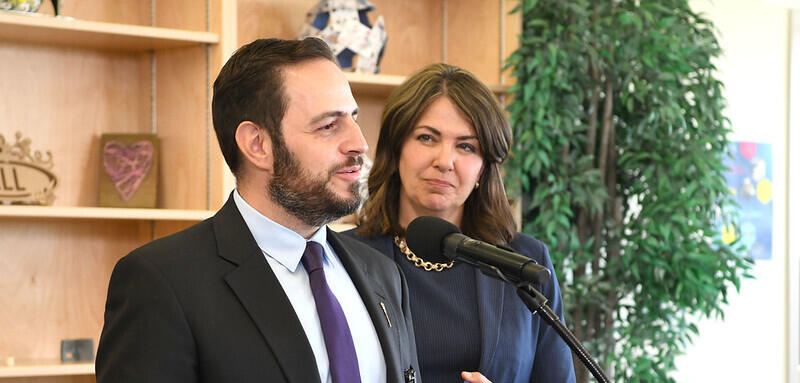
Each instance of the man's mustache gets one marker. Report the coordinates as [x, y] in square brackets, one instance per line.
[352, 161]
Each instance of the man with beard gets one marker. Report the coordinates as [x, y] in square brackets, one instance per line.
[263, 291]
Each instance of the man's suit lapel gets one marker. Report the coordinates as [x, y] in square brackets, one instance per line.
[262, 296]
[373, 294]
[490, 295]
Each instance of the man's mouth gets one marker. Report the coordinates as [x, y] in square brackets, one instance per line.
[352, 166]
[350, 170]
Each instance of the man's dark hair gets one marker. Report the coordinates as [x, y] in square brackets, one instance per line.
[250, 87]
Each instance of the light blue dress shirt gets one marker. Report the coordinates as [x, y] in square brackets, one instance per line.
[283, 249]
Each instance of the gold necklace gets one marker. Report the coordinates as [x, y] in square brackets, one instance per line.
[419, 262]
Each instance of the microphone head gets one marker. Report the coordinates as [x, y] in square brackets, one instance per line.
[425, 237]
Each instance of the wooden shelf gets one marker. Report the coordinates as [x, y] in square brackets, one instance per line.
[120, 213]
[104, 213]
[373, 83]
[46, 368]
[383, 84]
[44, 29]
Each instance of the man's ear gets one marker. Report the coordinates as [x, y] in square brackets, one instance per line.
[255, 145]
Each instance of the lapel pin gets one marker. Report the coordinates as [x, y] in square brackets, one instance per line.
[410, 375]
[383, 306]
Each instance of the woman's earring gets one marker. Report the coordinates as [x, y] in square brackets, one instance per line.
[477, 184]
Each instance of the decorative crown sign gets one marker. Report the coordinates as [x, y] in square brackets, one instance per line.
[25, 177]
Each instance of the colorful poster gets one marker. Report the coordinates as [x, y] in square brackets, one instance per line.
[749, 177]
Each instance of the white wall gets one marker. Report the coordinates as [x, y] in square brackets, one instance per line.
[794, 204]
[751, 343]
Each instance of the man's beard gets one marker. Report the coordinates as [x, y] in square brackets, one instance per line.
[308, 198]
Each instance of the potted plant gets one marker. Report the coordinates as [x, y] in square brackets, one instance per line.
[620, 141]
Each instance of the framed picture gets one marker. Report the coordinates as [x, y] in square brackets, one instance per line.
[128, 170]
[750, 179]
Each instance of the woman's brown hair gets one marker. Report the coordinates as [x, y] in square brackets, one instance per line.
[487, 213]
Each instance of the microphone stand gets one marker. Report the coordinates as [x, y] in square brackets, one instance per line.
[536, 302]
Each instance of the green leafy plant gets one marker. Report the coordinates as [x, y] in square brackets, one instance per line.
[620, 139]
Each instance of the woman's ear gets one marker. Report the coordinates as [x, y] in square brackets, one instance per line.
[255, 145]
[480, 172]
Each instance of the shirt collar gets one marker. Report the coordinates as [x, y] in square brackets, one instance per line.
[275, 240]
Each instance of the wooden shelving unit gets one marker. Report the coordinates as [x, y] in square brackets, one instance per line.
[147, 66]
[110, 67]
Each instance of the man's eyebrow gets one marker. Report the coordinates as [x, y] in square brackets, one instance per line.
[333, 113]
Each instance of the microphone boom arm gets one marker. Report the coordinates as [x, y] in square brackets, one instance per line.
[537, 303]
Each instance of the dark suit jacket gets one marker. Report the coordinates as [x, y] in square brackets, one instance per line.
[203, 305]
[517, 347]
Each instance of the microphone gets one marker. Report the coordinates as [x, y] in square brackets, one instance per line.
[437, 240]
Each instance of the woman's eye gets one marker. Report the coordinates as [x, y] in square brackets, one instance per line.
[425, 137]
[467, 147]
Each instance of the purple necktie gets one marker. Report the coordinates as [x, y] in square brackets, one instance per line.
[341, 351]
